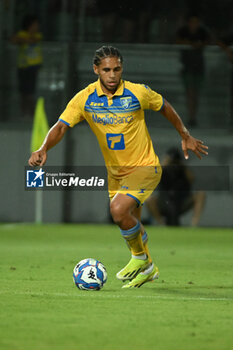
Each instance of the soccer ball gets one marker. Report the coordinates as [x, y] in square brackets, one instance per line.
[89, 274]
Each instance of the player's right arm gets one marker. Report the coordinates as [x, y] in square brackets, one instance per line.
[55, 134]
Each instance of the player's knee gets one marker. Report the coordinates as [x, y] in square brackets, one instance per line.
[117, 212]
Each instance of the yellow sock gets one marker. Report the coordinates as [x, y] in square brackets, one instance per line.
[136, 245]
[147, 251]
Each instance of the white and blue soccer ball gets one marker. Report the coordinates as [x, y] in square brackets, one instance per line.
[90, 274]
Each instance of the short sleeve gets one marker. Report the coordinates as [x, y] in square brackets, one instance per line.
[151, 99]
[22, 34]
[74, 112]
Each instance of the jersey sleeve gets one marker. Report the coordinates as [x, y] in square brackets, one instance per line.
[22, 34]
[151, 99]
[74, 112]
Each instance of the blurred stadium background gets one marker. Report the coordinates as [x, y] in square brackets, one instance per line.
[72, 31]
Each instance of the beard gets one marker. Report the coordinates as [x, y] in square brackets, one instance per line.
[109, 88]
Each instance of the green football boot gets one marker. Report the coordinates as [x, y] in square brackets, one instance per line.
[142, 278]
[132, 269]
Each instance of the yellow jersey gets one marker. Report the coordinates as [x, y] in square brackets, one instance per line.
[118, 123]
[29, 54]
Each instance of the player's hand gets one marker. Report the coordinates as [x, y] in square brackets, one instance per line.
[194, 145]
[38, 158]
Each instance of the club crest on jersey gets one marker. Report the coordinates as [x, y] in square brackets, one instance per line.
[126, 101]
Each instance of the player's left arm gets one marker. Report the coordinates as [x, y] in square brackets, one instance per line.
[188, 142]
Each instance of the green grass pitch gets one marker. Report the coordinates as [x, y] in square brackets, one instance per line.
[190, 307]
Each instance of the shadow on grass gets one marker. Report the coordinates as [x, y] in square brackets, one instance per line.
[194, 291]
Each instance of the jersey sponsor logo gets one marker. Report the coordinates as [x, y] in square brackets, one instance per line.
[126, 101]
[115, 141]
[113, 120]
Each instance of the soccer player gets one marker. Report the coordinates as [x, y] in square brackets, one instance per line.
[114, 109]
[29, 62]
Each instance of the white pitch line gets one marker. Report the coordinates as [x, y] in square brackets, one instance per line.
[96, 294]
